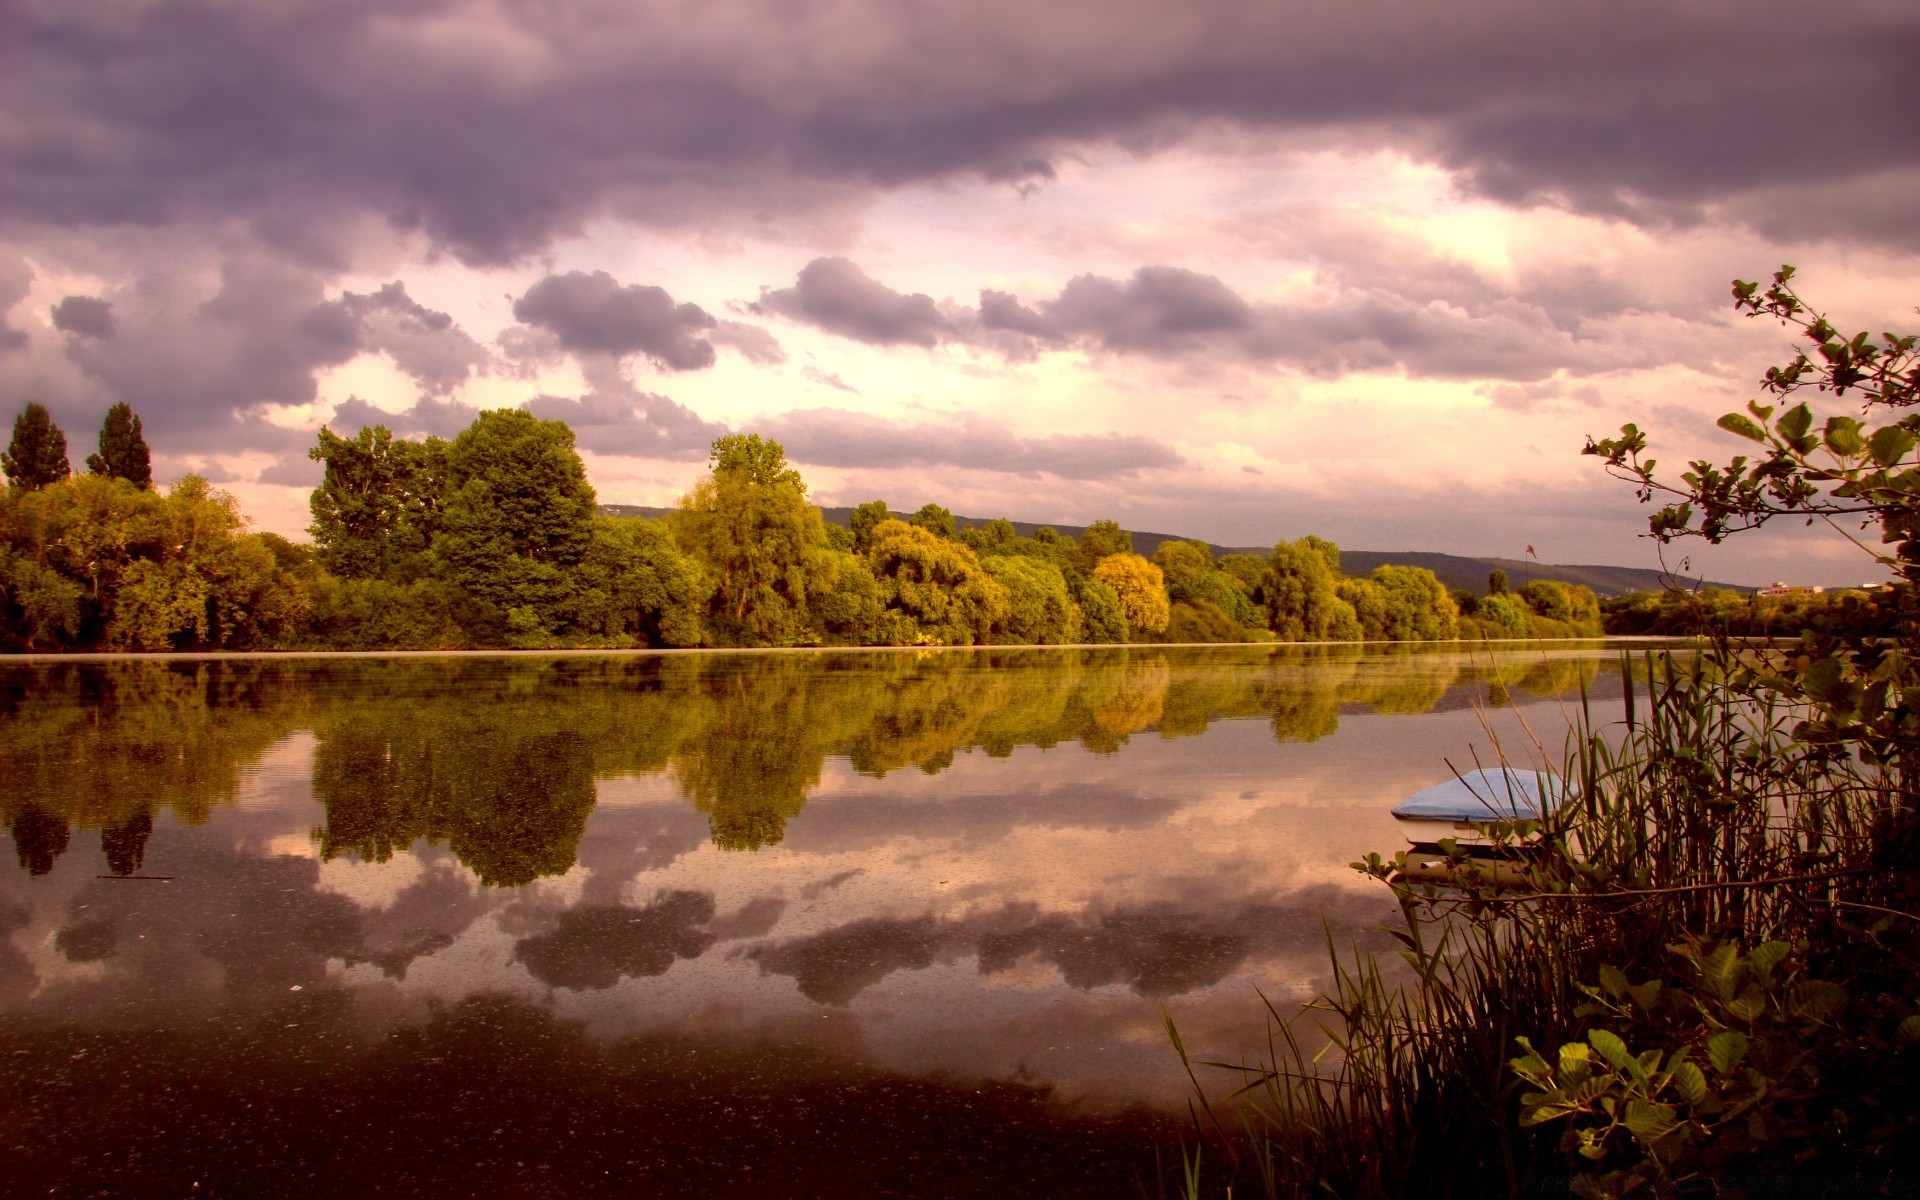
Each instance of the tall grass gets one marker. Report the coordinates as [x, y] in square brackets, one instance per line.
[1713, 819]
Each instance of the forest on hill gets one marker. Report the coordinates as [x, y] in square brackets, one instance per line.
[494, 539]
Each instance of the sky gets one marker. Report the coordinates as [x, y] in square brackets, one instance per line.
[1242, 269]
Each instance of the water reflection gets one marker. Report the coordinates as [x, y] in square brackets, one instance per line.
[497, 759]
[611, 925]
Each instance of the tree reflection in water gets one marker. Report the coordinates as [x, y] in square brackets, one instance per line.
[498, 758]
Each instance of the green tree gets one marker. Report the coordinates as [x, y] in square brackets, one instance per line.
[37, 456]
[1193, 580]
[1496, 582]
[1326, 550]
[638, 588]
[1302, 600]
[844, 601]
[123, 449]
[1506, 615]
[997, 536]
[1419, 607]
[1040, 610]
[379, 504]
[1141, 588]
[1369, 605]
[1248, 570]
[1101, 539]
[934, 589]
[517, 524]
[864, 519]
[1103, 617]
[750, 525]
[934, 519]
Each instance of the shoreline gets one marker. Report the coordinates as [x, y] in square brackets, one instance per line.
[647, 651]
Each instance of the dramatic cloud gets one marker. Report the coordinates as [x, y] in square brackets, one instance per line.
[423, 343]
[593, 314]
[754, 344]
[836, 295]
[1172, 313]
[837, 438]
[496, 128]
[88, 316]
[427, 417]
[617, 418]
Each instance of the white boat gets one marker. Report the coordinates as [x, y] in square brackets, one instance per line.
[1457, 812]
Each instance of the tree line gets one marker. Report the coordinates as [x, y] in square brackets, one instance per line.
[494, 539]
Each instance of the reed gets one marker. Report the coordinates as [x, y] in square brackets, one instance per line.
[1722, 875]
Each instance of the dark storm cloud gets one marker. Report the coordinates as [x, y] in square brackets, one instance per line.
[1171, 313]
[831, 437]
[593, 314]
[615, 417]
[836, 295]
[496, 129]
[254, 343]
[203, 368]
[88, 316]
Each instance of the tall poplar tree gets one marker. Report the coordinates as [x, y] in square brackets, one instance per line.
[37, 455]
[123, 449]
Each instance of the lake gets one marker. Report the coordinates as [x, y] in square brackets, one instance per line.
[812, 923]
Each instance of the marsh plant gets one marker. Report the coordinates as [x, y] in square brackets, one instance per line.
[1709, 983]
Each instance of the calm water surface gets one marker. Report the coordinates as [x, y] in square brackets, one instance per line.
[890, 923]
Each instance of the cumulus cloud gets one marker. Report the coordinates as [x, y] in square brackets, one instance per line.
[593, 314]
[615, 417]
[426, 417]
[425, 344]
[832, 437]
[836, 295]
[87, 316]
[1173, 313]
[753, 343]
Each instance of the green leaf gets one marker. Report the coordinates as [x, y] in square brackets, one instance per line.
[1691, 1081]
[1717, 968]
[1575, 1062]
[1766, 957]
[1611, 1048]
[1889, 445]
[1614, 980]
[1842, 436]
[1795, 422]
[1750, 1003]
[1725, 1049]
[1908, 1033]
[1735, 423]
[1649, 1122]
[1818, 1000]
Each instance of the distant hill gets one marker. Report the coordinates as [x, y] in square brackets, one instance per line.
[1456, 571]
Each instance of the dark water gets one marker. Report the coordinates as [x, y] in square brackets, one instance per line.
[891, 923]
